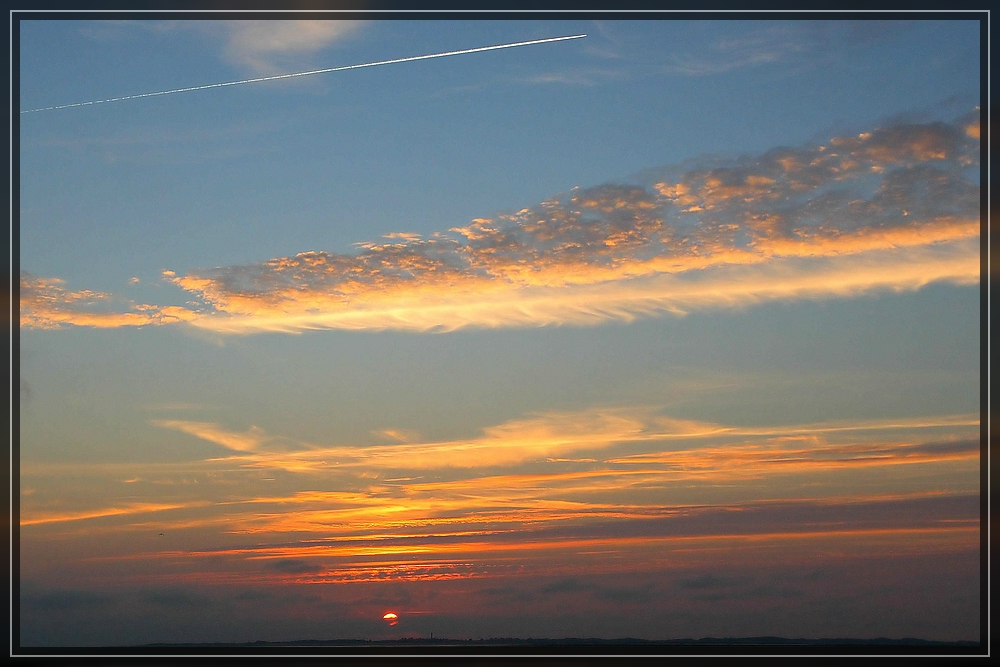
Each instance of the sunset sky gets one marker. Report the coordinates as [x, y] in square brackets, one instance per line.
[669, 331]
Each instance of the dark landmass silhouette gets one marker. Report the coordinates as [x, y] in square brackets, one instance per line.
[580, 642]
[579, 647]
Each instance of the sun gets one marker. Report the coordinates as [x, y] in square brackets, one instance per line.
[391, 618]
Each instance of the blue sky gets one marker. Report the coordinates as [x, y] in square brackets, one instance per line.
[246, 311]
[367, 152]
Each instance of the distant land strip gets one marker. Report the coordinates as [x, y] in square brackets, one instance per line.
[837, 645]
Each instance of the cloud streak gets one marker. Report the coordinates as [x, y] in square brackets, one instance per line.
[895, 209]
[889, 209]
[534, 438]
[557, 493]
[127, 510]
[46, 304]
[759, 48]
[601, 433]
[414, 550]
[238, 442]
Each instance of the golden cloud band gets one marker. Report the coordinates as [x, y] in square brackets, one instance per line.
[891, 209]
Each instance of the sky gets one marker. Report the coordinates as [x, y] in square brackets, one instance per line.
[668, 331]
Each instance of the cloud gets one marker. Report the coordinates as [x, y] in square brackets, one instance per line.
[46, 304]
[567, 491]
[65, 600]
[291, 566]
[178, 405]
[474, 503]
[895, 208]
[266, 47]
[239, 442]
[707, 581]
[380, 546]
[534, 438]
[560, 437]
[889, 209]
[794, 44]
[262, 46]
[800, 454]
[177, 597]
[568, 585]
[34, 519]
[579, 77]
[755, 48]
[629, 594]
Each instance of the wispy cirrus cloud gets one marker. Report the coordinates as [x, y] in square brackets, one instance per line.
[603, 433]
[268, 47]
[377, 545]
[578, 77]
[733, 54]
[36, 518]
[536, 437]
[793, 44]
[249, 441]
[586, 489]
[755, 46]
[262, 47]
[895, 208]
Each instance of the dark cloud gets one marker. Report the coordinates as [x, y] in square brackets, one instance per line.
[708, 581]
[712, 587]
[754, 592]
[628, 594]
[569, 585]
[176, 597]
[776, 516]
[254, 595]
[948, 447]
[292, 566]
[65, 600]
[509, 593]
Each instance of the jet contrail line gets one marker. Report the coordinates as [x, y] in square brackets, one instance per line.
[315, 71]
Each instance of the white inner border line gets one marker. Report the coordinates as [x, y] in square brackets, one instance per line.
[988, 641]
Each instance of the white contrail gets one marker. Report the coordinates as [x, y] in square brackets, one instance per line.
[315, 71]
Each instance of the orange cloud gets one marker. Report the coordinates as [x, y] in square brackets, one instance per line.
[634, 457]
[793, 223]
[534, 438]
[549, 436]
[638, 465]
[46, 304]
[797, 528]
[803, 454]
[643, 490]
[889, 209]
[239, 442]
[489, 303]
[135, 508]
